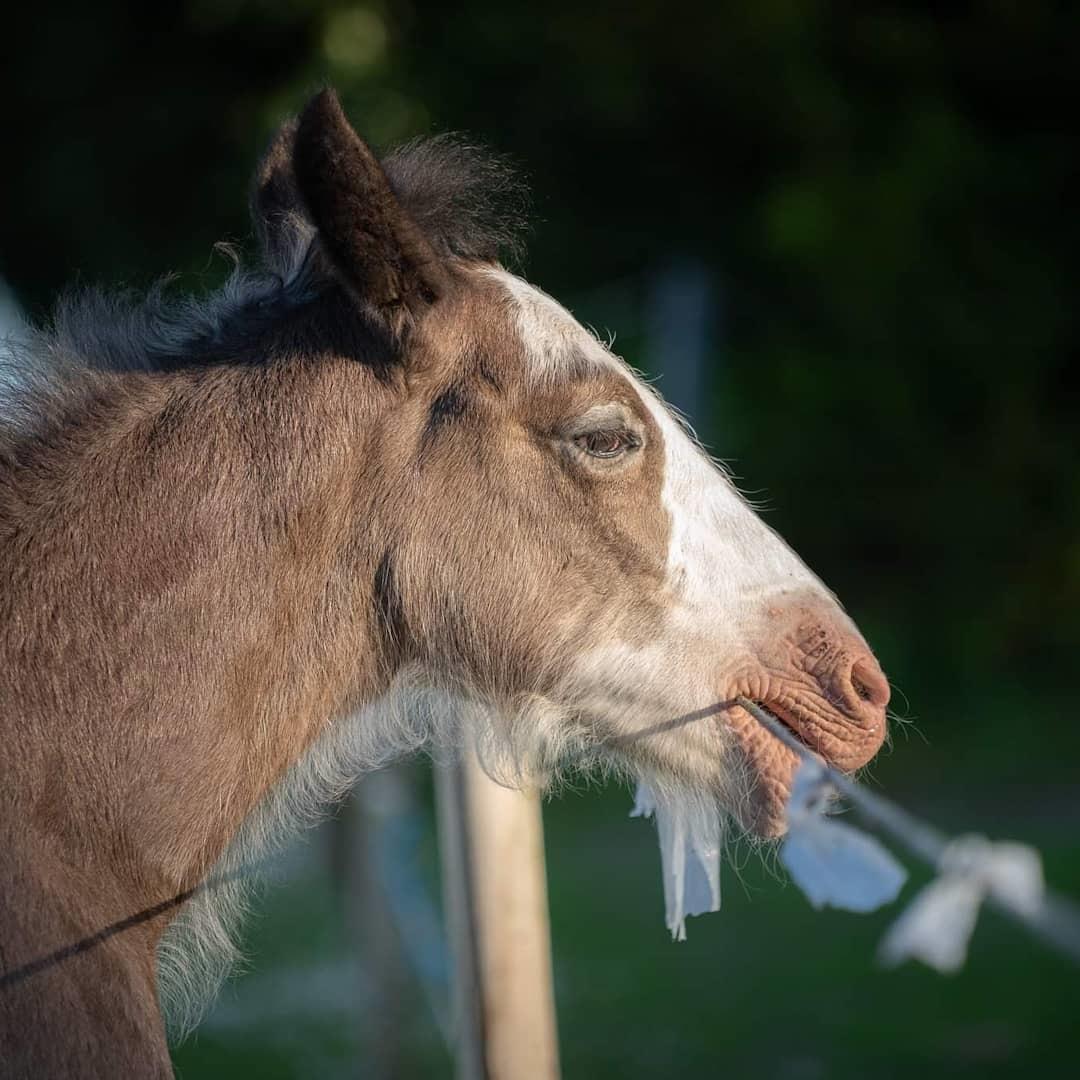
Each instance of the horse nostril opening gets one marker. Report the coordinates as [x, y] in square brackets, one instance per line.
[869, 682]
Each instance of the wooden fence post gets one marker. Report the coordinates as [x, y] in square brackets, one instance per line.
[495, 890]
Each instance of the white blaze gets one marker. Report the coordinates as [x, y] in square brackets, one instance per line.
[723, 560]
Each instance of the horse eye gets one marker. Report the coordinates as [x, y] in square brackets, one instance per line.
[604, 444]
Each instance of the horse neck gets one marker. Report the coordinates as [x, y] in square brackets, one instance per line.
[180, 591]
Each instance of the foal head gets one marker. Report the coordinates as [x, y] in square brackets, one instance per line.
[545, 536]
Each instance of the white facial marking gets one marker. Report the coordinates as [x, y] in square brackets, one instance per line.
[722, 557]
[723, 562]
[552, 337]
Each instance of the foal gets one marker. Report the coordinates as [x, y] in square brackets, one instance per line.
[243, 541]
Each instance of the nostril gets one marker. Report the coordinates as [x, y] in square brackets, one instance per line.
[869, 682]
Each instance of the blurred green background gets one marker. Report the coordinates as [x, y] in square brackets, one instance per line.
[876, 196]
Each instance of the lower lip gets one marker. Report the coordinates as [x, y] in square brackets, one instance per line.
[773, 766]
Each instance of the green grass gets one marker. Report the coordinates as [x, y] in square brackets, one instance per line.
[766, 988]
[771, 988]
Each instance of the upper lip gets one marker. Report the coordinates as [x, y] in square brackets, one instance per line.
[843, 744]
[797, 722]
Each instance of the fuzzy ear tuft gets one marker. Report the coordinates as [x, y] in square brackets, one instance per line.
[278, 213]
[376, 248]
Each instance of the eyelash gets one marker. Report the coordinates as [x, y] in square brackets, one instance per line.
[624, 441]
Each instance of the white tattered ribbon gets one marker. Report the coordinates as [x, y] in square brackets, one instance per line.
[689, 830]
[937, 926]
[834, 864]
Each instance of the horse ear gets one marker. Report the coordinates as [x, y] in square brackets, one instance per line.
[377, 249]
[277, 208]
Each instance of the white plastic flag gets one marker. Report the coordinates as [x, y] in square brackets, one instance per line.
[834, 864]
[937, 926]
[690, 832]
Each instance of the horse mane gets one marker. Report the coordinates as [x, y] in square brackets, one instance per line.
[469, 202]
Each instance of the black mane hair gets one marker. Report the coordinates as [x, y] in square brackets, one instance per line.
[470, 204]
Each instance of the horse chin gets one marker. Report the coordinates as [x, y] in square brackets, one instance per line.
[770, 766]
[770, 769]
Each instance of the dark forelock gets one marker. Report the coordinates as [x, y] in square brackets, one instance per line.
[469, 202]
